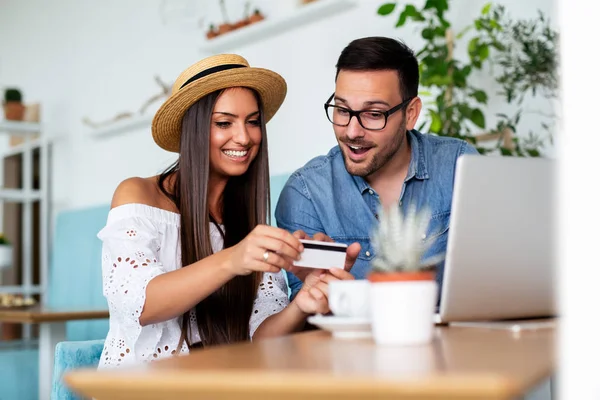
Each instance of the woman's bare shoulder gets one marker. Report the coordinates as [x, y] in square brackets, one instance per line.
[136, 190]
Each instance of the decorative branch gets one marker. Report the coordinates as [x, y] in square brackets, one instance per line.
[166, 90]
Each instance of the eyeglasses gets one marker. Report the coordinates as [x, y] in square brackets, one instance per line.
[372, 120]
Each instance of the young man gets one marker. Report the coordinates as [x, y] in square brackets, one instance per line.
[380, 158]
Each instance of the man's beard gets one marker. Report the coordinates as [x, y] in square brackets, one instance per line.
[378, 160]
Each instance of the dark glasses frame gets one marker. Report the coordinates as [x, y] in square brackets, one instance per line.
[357, 113]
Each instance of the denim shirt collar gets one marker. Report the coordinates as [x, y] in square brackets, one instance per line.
[418, 162]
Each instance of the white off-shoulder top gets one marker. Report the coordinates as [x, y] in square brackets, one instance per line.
[141, 242]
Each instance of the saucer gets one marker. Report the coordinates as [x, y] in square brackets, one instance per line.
[343, 327]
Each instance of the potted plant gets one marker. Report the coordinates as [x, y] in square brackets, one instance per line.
[257, 16]
[403, 286]
[6, 252]
[14, 110]
[212, 32]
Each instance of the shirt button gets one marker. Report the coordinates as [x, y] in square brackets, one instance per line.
[368, 253]
[370, 191]
[423, 236]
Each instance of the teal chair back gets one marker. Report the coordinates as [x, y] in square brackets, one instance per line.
[277, 182]
[72, 355]
[76, 268]
[76, 279]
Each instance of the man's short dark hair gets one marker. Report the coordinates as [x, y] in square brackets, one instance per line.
[381, 53]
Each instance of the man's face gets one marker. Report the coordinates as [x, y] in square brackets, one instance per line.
[366, 151]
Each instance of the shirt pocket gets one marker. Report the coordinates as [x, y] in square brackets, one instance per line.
[437, 235]
[366, 250]
[439, 225]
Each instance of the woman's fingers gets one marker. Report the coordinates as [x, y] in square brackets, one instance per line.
[261, 266]
[274, 259]
[276, 246]
[281, 235]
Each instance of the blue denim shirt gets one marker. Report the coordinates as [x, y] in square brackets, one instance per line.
[323, 197]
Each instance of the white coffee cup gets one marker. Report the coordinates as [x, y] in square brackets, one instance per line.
[350, 298]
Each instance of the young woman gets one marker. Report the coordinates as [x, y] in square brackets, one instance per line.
[187, 258]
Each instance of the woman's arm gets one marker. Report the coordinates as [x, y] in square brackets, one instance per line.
[290, 319]
[171, 294]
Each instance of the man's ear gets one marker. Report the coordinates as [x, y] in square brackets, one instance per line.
[413, 110]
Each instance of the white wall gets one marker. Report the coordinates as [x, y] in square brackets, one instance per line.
[90, 58]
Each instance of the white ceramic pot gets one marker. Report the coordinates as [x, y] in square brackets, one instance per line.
[6, 256]
[402, 312]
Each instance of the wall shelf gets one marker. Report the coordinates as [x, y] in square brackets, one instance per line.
[272, 26]
[124, 125]
[36, 289]
[19, 128]
[22, 147]
[19, 195]
[29, 222]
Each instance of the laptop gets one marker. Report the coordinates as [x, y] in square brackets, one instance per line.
[500, 261]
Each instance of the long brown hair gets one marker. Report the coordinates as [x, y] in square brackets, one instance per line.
[222, 317]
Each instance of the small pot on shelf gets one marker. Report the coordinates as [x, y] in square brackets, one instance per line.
[212, 32]
[14, 110]
[256, 16]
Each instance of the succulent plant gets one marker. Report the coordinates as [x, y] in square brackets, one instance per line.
[400, 240]
[12, 95]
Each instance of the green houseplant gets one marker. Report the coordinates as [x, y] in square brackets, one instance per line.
[403, 286]
[520, 55]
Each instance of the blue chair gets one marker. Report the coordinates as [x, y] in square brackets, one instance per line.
[72, 355]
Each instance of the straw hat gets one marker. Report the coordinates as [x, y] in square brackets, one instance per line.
[206, 76]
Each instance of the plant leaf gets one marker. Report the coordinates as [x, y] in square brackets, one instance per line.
[428, 33]
[486, 9]
[436, 122]
[386, 9]
[478, 118]
[473, 45]
[480, 96]
[484, 52]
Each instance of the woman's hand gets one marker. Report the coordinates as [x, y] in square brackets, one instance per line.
[313, 296]
[265, 249]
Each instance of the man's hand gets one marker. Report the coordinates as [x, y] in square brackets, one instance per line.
[351, 255]
[313, 297]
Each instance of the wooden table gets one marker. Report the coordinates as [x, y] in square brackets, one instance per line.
[53, 329]
[461, 363]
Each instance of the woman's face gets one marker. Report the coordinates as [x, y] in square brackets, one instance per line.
[235, 132]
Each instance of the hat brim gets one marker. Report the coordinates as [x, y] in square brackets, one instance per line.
[166, 125]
